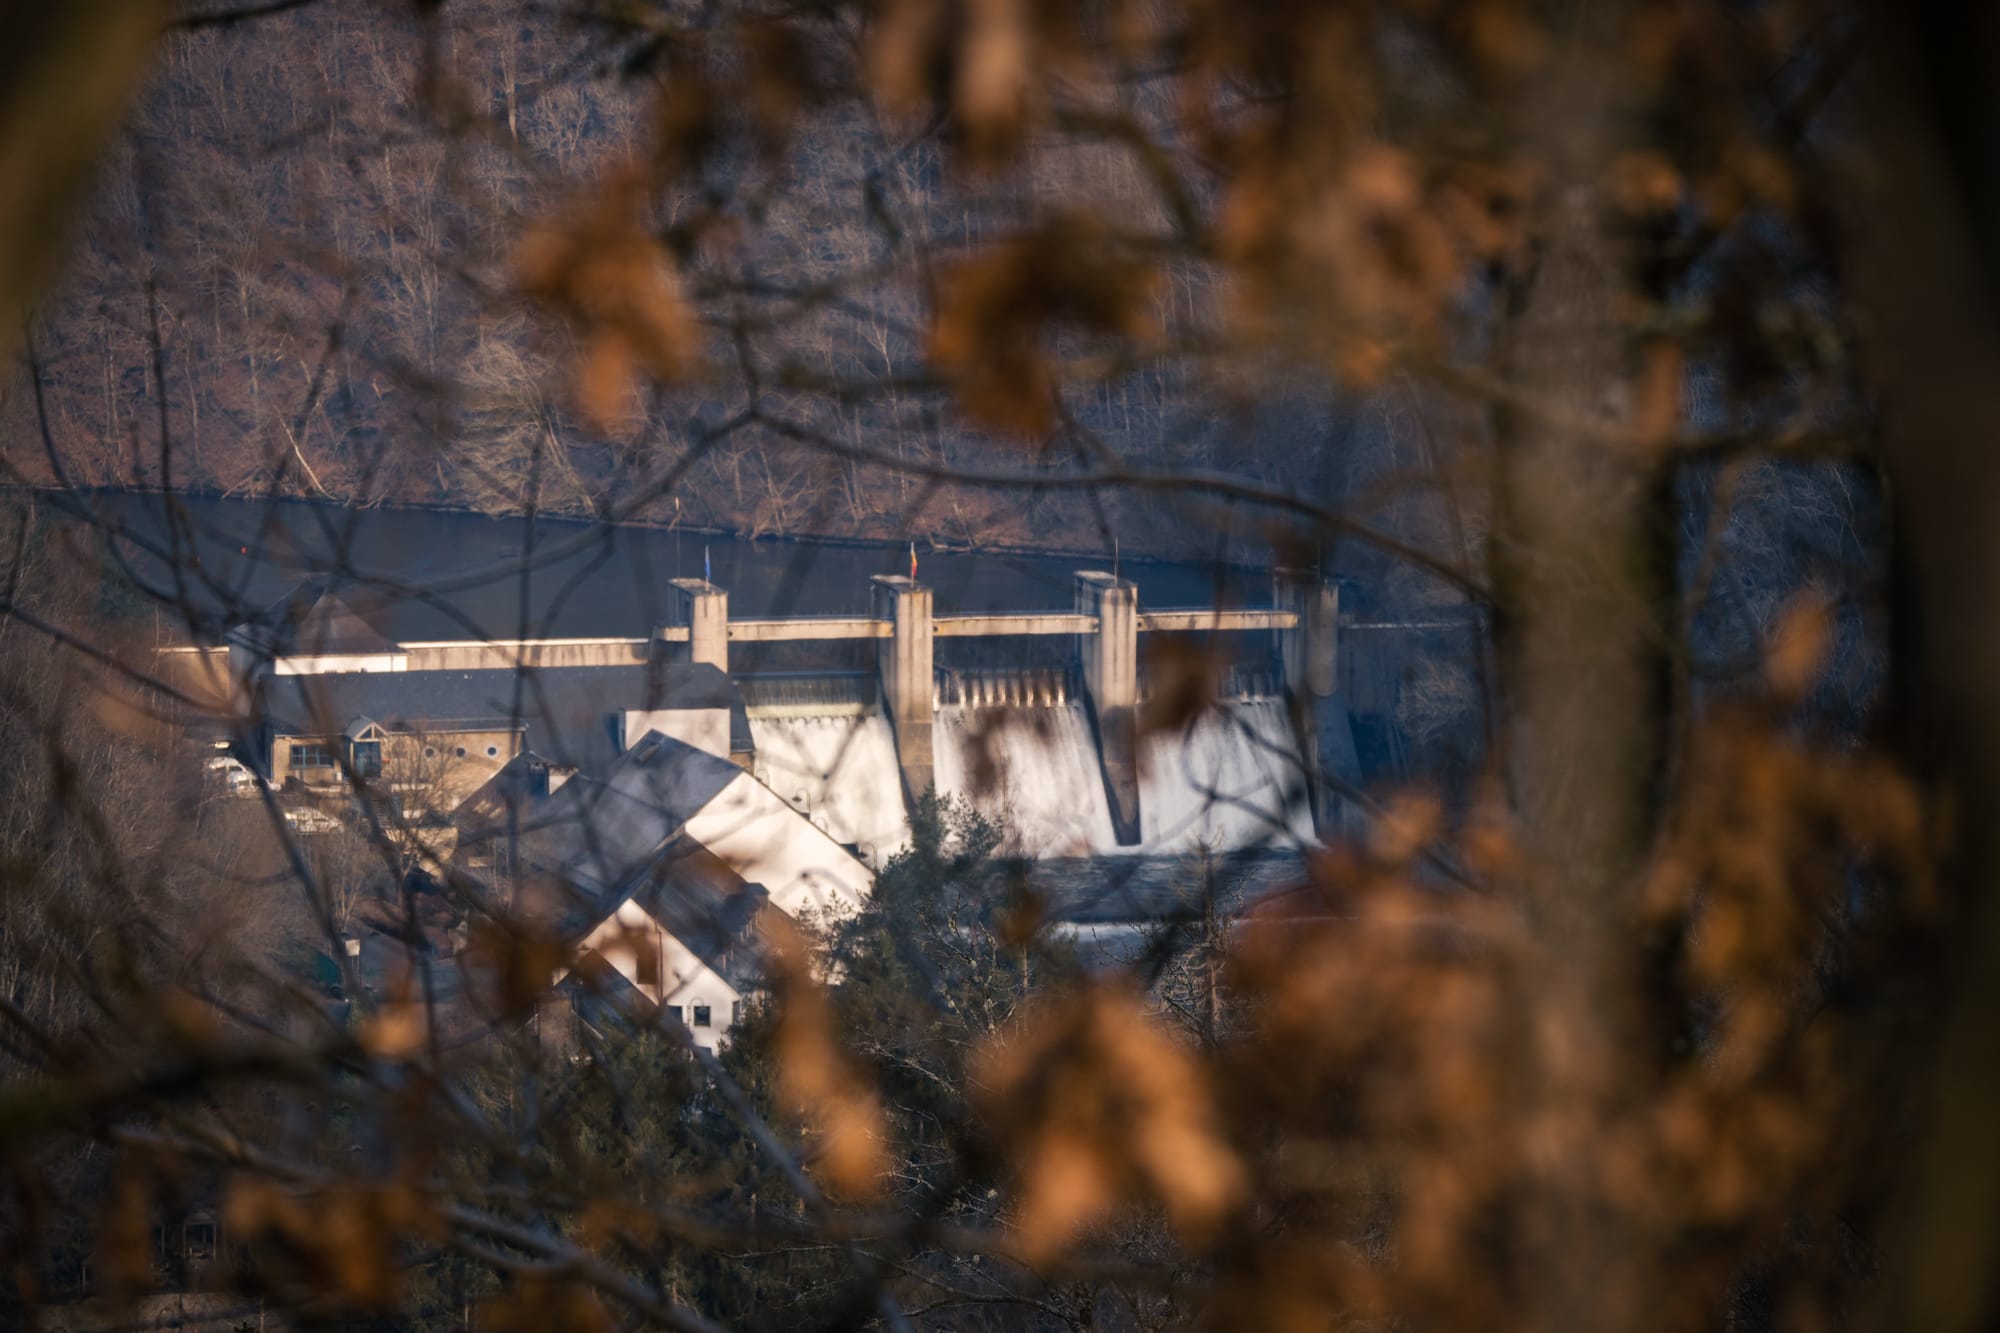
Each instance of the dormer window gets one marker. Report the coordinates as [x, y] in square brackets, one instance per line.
[366, 759]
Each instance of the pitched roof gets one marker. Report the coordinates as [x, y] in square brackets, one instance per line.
[598, 832]
[700, 901]
[333, 625]
[603, 830]
[510, 796]
[324, 616]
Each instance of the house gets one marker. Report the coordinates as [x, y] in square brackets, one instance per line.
[600, 831]
[687, 934]
[664, 871]
[434, 738]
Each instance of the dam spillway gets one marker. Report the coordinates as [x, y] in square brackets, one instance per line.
[1066, 757]
[1231, 779]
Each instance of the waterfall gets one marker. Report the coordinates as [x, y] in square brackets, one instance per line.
[1044, 780]
[1233, 779]
[839, 769]
[1018, 746]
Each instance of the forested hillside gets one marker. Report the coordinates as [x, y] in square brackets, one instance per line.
[326, 260]
[324, 219]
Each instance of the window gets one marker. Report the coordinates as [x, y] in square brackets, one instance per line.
[367, 759]
[200, 1239]
[701, 1015]
[311, 756]
[736, 1011]
[461, 752]
[430, 752]
[674, 1012]
[492, 751]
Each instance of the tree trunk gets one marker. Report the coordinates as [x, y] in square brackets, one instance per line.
[1921, 218]
[1581, 577]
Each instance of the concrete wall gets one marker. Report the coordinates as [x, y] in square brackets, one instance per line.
[1309, 649]
[506, 655]
[702, 610]
[1309, 658]
[906, 663]
[1110, 659]
[441, 769]
[320, 664]
[202, 674]
[703, 728]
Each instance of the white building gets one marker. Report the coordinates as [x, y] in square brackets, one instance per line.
[670, 861]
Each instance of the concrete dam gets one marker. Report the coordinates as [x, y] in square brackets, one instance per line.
[1058, 755]
[1039, 719]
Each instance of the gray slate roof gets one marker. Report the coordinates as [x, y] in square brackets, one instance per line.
[622, 819]
[567, 711]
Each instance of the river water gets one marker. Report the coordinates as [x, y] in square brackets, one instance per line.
[583, 580]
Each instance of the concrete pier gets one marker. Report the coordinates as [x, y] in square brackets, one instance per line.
[908, 679]
[1308, 647]
[702, 610]
[1308, 657]
[1110, 659]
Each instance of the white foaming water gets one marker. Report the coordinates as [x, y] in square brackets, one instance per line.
[1044, 785]
[842, 772]
[1233, 779]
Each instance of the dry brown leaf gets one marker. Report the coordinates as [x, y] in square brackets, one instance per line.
[1506, 39]
[1353, 251]
[1185, 676]
[1800, 643]
[604, 272]
[687, 121]
[784, 80]
[996, 309]
[517, 963]
[815, 1073]
[547, 1305]
[995, 77]
[1408, 822]
[1644, 183]
[903, 50]
[1656, 402]
[124, 1250]
[1102, 1108]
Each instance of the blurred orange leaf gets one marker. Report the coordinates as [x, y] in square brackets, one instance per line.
[995, 309]
[604, 272]
[851, 1154]
[1101, 1107]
